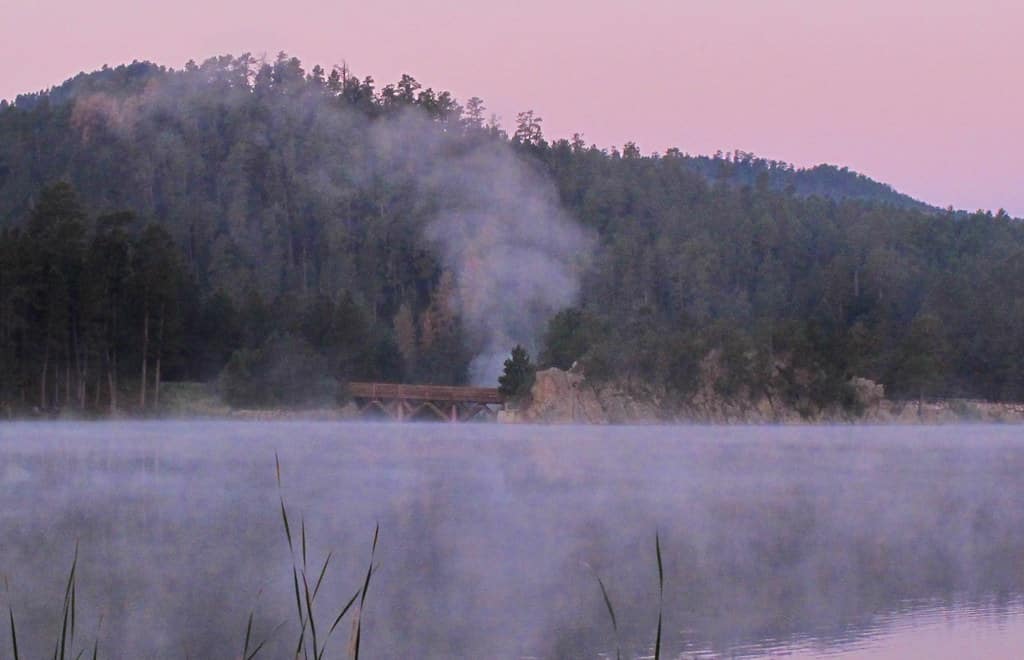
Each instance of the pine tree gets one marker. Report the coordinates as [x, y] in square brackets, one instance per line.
[519, 374]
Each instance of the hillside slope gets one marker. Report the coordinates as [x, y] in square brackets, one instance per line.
[285, 230]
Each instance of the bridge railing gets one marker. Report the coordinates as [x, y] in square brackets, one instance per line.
[450, 393]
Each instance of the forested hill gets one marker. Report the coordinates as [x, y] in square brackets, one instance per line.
[828, 181]
[282, 231]
[735, 167]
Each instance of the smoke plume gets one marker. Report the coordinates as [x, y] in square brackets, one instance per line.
[516, 255]
[491, 215]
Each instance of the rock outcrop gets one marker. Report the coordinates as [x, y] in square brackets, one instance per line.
[566, 397]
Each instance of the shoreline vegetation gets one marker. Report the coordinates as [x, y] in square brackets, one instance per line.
[566, 397]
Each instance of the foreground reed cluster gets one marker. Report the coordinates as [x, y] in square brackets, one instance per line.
[312, 639]
[661, 599]
[309, 644]
[64, 647]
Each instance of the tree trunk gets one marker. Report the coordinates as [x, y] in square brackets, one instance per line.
[79, 367]
[42, 384]
[112, 370]
[113, 392]
[83, 371]
[159, 354]
[145, 353]
[112, 381]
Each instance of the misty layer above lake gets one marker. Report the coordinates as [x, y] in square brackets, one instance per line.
[773, 538]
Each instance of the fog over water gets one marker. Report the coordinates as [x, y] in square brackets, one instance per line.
[884, 541]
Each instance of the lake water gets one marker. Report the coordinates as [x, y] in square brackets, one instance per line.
[880, 542]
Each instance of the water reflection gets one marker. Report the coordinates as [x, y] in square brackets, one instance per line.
[924, 630]
[777, 541]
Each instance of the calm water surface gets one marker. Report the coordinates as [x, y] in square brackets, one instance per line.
[777, 541]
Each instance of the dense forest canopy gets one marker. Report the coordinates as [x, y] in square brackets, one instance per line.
[283, 231]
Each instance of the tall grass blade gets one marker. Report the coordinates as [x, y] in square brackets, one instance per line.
[300, 646]
[661, 590]
[344, 611]
[298, 598]
[71, 641]
[366, 589]
[284, 513]
[369, 572]
[608, 604]
[259, 647]
[359, 634]
[320, 579]
[657, 639]
[611, 613]
[287, 527]
[248, 636]
[302, 616]
[68, 613]
[661, 570]
[256, 651]
[10, 613]
[341, 615]
[309, 616]
[302, 520]
[96, 642]
[14, 634]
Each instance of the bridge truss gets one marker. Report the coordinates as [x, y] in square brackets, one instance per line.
[402, 402]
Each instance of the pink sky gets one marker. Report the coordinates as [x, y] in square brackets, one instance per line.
[927, 95]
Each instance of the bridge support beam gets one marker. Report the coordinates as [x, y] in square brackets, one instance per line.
[403, 411]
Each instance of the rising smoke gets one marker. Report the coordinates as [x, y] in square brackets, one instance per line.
[515, 254]
[492, 217]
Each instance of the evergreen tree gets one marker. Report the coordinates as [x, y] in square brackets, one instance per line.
[569, 335]
[518, 375]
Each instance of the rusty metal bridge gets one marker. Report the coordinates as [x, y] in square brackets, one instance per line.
[448, 403]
